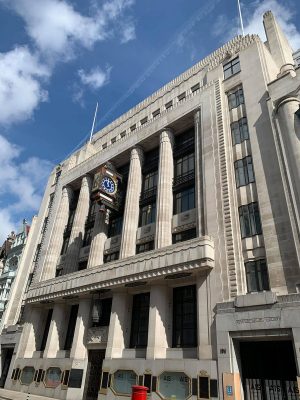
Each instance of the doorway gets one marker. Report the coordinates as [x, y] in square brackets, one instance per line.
[6, 356]
[269, 370]
[94, 370]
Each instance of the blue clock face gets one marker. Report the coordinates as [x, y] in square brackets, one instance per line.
[108, 185]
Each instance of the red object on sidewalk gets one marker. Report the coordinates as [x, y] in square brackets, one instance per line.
[139, 392]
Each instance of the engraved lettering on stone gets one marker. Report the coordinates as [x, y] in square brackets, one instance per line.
[254, 320]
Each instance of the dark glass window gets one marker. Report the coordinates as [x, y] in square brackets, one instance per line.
[139, 320]
[37, 253]
[65, 245]
[257, 276]
[185, 141]
[111, 257]
[46, 330]
[44, 225]
[71, 327]
[244, 171]
[184, 316]
[88, 236]
[115, 226]
[147, 214]
[82, 265]
[141, 248]
[184, 200]
[150, 182]
[57, 176]
[184, 167]
[185, 235]
[101, 312]
[51, 199]
[231, 68]
[236, 98]
[250, 220]
[239, 131]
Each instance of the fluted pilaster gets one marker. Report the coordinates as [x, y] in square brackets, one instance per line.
[164, 202]
[98, 241]
[131, 212]
[78, 226]
[201, 224]
[56, 241]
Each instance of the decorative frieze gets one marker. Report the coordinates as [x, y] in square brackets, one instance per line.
[97, 335]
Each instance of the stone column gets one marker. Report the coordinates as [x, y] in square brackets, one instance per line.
[290, 138]
[78, 350]
[158, 322]
[201, 225]
[204, 317]
[31, 332]
[164, 201]
[78, 227]
[119, 326]
[56, 241]
[132, 204]
[98, 241]
[57, 330]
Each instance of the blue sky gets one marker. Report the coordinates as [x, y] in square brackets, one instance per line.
[59, 57]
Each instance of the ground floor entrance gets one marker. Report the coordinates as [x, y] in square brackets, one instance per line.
[268, 370]
[94, 369]
[6, 356]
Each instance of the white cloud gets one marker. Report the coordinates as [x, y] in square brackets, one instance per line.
[127, 32]
[253, 21]
[20, 84]
[56, 27]
[95, 78]
[21, 183]
[56, 30]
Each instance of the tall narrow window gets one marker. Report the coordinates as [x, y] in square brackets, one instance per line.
[250, 220]
[46, 330]
[244, 171]
[140, 320]
[184, 200]
[239, 131]
[71, 327]
[88, 235]
[115, 226]
[236, 98]
[147, 214]
[101, 312]
[231, 68]
[184, 317]
[143, 247]
[257, 276]
[184, 168]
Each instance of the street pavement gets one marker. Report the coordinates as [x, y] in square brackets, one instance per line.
[11, 395]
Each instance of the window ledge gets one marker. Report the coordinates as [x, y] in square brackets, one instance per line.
[255, 299]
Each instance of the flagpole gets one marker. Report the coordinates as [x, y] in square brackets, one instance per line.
[241, 18]
[92, 130]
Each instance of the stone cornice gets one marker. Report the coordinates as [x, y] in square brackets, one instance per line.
[186, 256]
[210, 62]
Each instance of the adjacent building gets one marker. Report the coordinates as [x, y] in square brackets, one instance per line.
[166, 250]
[12, 260]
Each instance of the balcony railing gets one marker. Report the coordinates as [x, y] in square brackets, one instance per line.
[184, 178]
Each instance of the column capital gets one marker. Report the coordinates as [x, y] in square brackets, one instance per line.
[66, 190]
[137, 153]
[286, 100]
[167, 135]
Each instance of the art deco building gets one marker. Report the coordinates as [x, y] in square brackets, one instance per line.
[167, 249]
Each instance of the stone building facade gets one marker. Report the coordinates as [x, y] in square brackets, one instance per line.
[189, 286]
